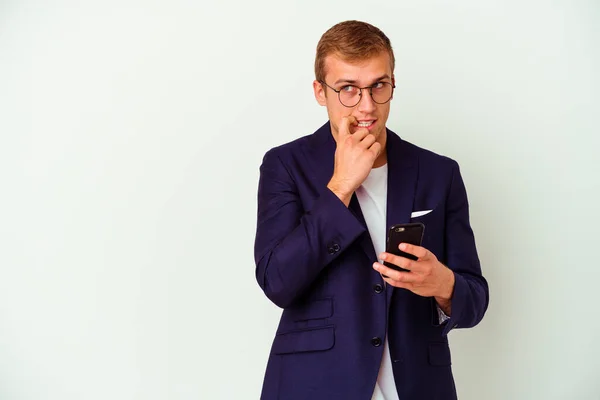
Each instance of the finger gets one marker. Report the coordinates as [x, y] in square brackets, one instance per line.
[347, 121]
[368, 141]
[398, 284]
[398, 276]
[360, 134]
[389, 273]
[375, 149]
[398, 261]
[420, 252]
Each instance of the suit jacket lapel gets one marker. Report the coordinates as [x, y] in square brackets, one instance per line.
[322, 154]
[402, 183]
[402, 180]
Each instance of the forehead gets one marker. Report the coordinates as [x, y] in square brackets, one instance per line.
[362, 72]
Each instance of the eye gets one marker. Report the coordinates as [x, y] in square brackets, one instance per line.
[349, 89]
[378, 85]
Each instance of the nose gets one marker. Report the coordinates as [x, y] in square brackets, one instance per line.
[366, 104]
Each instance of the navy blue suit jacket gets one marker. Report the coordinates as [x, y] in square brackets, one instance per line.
[314, 259]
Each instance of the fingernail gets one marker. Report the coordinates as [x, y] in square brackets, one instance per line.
[382, 256]
[402, 246]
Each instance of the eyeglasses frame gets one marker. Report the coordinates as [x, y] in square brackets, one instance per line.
[360, 93]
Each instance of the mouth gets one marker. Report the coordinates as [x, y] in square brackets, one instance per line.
[369, 124]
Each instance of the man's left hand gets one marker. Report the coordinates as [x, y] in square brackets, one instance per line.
[427, 277]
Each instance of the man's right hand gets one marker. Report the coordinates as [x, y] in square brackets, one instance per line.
[354, 157]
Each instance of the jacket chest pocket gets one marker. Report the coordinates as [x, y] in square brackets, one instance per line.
[435, 227]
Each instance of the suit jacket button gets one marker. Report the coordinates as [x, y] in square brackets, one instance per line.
[376, 342]
[378, 288]
[336, 247]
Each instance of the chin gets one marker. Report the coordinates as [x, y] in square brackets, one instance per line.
[380, 132]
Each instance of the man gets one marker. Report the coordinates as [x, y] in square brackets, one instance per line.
[352, 328]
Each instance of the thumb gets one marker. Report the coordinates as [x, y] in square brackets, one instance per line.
[344, 130]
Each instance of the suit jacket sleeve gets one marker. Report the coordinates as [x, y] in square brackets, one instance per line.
[293, 245]
[471, 294]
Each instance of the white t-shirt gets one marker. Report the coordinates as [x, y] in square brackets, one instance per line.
[372, 197]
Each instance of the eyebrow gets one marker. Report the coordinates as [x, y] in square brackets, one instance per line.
[353, 82]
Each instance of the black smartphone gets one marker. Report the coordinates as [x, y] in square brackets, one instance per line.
[403, 233]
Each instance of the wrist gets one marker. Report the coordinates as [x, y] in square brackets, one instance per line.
[343, 193]
[447, 289]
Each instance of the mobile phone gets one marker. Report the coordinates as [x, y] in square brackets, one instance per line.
[403, 233]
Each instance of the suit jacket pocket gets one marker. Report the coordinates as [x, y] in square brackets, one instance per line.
[315, 339]
[430, 216]
[433, 236]
[316, 309]
[439, 354]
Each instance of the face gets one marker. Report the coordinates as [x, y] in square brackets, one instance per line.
[365, 73]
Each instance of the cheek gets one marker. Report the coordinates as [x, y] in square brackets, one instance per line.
[384, 116]
[385, 111]
[337, 112]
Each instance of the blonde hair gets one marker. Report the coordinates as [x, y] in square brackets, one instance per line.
[351, 41]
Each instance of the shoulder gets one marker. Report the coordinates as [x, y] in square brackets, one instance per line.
[286, 149]
[320, 139]
[430, 157]
[426, 158]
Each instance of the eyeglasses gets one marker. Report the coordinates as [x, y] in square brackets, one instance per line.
[350, 95]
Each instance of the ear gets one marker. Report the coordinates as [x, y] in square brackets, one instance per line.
[319, 93]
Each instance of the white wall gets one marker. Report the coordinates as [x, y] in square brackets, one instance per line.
[130, 138]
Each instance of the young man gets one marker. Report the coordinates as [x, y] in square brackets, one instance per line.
[352, 328]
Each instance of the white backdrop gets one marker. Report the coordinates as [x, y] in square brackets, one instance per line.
[131, 133]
